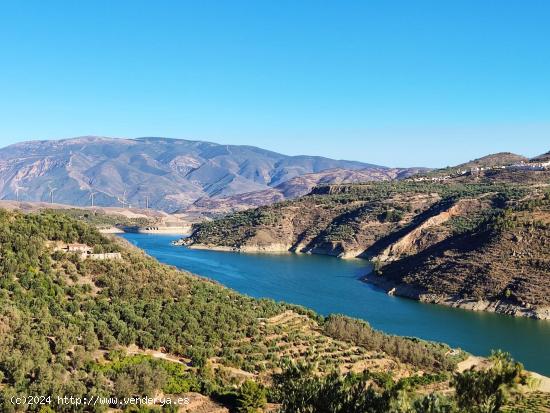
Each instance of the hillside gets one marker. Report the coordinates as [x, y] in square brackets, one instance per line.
[545, 157]
[502, 265]
[168, 174]
[499, 167]
[445, 241]
[496, 159]
[110, 329]
[112, 219]
[293, 188]
[127, 213]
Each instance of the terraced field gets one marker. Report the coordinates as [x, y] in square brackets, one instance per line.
[297, 337]
[202, 404]
[537, 402]
[293, 336]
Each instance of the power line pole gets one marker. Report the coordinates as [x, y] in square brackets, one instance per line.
[146, 201]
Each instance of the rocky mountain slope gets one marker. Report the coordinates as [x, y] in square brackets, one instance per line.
[479, 239]
[169, 174]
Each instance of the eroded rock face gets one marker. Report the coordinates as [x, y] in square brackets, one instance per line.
[501, 306]
[497, 306]
[429, 231]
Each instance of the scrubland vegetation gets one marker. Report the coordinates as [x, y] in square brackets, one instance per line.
[298, 389]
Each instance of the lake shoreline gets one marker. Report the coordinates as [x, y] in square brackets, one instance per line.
[400, 290]
[497, 306]
[330, 286]
[271, 249]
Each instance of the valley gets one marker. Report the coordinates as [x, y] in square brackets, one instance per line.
[274, 207]
[113, 321]
[133, 326]
[333, 286]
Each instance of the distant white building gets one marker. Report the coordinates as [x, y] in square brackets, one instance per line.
[532, 166]
[105, 256]
[86, 252]
[76, 248]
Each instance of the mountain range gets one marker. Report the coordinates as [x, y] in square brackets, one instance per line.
[166, 174]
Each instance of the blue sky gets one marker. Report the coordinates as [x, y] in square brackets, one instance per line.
[391, 82]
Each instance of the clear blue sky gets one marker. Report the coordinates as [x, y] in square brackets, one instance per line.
[391, 82]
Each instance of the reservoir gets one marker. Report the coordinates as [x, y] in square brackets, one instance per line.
[331, 285]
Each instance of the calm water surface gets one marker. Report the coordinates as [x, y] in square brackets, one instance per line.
[330, 285]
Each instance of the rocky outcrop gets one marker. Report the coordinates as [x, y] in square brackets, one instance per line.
[500, 267]
[271, 248]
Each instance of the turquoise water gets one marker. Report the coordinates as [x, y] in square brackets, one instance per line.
[330, 285]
